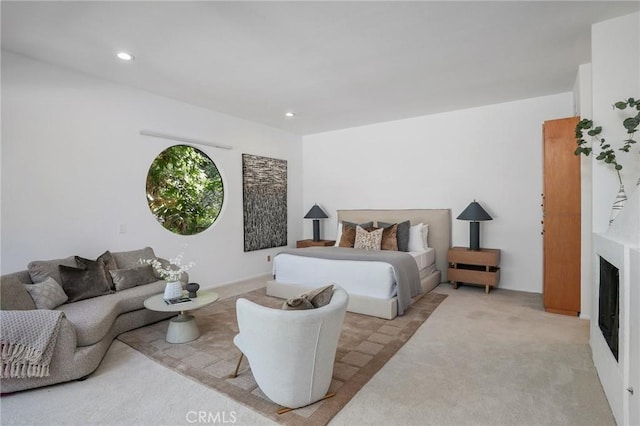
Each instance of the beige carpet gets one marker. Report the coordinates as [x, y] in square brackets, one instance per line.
[480, 360]
[366, 344]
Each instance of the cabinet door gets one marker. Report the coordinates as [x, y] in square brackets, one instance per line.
[562, 263]
[561, 217]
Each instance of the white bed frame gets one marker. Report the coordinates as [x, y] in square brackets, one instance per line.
[439, 221]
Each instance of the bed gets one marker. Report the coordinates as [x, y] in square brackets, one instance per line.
[372, 285]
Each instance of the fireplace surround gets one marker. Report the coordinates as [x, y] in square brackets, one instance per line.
[615, 324]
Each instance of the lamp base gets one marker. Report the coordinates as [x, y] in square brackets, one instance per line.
[474, 236]
[316, 230]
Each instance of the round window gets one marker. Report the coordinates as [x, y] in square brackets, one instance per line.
[184, 190]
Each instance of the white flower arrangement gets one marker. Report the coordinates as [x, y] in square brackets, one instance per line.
[172, 271]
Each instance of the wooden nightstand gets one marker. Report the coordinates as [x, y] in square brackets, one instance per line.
[479, 267]
[311, 243]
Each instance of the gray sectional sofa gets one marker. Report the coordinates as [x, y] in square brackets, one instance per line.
[89, 325]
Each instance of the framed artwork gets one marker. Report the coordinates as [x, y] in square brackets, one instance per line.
[264, 187]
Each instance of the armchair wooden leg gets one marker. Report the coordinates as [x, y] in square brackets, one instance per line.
[286, 410]
[235, 373]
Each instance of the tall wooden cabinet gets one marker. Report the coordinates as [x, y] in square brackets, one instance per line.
[561, 217]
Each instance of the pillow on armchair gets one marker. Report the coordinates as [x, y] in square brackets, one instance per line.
[310, 300]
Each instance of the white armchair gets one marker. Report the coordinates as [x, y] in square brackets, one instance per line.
[291, 353]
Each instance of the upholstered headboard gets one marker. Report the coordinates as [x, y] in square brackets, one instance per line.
[439, 221]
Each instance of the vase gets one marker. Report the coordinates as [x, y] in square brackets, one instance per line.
[618, 204]
[192, 288]
[172, 290]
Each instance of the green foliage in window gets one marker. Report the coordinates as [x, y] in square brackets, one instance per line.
[184, 190]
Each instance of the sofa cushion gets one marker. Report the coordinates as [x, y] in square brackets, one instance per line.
[99, 266]
[13, 295]
[127, 278]
[92, 318]
[85, 282]
[131, 259]
[40, 270]
[47, 294]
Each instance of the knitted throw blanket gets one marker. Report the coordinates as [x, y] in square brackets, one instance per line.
[27, 340]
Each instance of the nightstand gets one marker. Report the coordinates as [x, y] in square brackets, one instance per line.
[311, 243]
[479, 267]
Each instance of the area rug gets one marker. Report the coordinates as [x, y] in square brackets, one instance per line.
[365, 345]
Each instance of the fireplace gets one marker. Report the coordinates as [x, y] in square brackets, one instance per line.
[608, 304]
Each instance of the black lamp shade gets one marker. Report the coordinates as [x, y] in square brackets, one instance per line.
[474, 213]
[316, 213]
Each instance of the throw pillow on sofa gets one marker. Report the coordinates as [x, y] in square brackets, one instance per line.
[85, 282]
[40, 270]
[131, 277]
[131, 259]
[46, 295]
[109, 265]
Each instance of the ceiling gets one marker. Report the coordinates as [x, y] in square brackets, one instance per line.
[335, 64]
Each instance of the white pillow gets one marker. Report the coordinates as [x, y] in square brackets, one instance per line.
[416, 237]
[425, 235]
[338, 235]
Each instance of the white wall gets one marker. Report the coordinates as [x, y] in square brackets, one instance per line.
[74, 168]
[615, 54]
[582, 100]
[491, 153]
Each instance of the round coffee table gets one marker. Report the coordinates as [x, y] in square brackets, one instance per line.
[182, 328]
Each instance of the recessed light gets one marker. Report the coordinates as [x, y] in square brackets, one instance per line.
[125, 56]
[289, 114]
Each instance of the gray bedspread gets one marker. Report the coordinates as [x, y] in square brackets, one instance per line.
[403, 264]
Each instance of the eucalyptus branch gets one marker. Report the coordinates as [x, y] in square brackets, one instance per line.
[630, 123]
[607, 154]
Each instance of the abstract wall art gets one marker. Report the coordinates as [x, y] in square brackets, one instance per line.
[264, 183]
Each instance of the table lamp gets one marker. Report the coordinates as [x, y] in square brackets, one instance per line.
[316, 214]
[474, 213]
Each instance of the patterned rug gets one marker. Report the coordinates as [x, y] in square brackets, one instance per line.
[365, 345]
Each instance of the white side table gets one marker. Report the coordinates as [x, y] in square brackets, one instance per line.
[182, 328]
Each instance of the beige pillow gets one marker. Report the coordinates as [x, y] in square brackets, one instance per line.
[297, 304]
[348, 235]
[366, 240]
[320, 296]
[47, 294]
[316, 298]
[132, 277]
